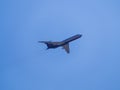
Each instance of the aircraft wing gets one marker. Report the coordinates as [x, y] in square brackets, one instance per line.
[66, 47]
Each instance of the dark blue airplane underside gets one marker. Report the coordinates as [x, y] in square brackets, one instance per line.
[64, 43]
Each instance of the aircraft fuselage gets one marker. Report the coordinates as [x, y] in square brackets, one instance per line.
[64, 43]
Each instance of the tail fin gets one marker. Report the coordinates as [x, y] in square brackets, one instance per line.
[42, 42]
[45, 42]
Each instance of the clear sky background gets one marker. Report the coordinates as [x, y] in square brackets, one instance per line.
[94, 60]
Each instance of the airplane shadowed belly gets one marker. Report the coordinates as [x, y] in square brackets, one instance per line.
[52, 46]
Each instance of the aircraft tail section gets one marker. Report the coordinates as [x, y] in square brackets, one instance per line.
[46, 42]
[50, 44]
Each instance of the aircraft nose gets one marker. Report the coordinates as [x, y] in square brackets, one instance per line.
[80, 35]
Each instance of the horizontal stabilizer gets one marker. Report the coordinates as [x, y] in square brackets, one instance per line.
[42, 42]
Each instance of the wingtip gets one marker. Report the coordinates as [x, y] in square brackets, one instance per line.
[68, 52]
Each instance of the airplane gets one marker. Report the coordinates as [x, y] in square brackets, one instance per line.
[64, 43]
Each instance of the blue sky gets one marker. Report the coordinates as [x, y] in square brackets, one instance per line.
[94, 60]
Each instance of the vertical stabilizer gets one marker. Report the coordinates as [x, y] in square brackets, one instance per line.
[45, 42]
